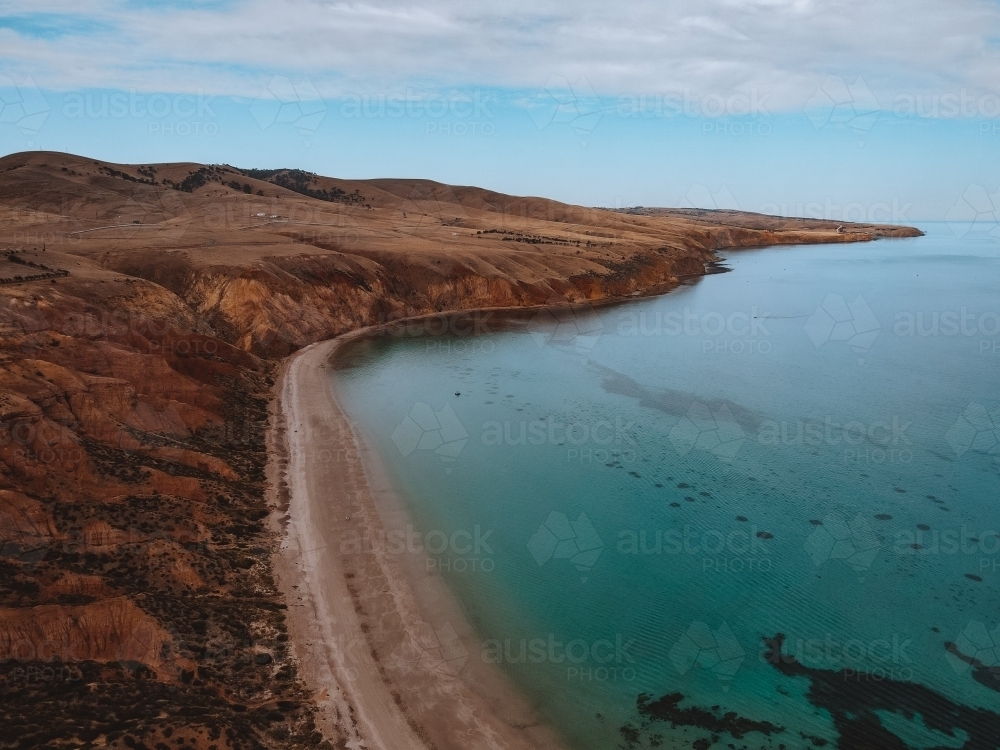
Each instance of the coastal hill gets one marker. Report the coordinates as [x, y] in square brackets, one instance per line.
[274, 259]
[143, 312]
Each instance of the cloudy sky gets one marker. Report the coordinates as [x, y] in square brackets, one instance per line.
[878, 107]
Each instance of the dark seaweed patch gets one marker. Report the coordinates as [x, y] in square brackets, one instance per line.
[714, 721]
[853, 705]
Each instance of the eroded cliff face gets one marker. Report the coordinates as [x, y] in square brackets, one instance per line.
[140, 328]
[136, 600]
[283, 303]
[279, 303]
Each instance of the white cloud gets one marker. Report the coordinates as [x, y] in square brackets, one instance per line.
[784, 48]
[709, 24]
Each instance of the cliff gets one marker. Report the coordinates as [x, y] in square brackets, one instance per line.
[142, 311]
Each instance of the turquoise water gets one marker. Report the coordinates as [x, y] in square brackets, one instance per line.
[635, 499]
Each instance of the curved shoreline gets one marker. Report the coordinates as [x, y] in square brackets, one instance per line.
[380, 640]
[379, 637]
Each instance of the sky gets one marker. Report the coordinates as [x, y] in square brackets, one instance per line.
[841, 109]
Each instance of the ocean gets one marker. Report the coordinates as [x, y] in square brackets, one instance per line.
[761, 509]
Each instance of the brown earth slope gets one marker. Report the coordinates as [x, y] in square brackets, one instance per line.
[142, 311]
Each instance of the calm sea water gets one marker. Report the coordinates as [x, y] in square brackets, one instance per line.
[629, 503]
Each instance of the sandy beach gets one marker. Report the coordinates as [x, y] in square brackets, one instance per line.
[378, 636]
[146, 312]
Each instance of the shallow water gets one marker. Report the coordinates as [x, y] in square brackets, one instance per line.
[628, 504]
